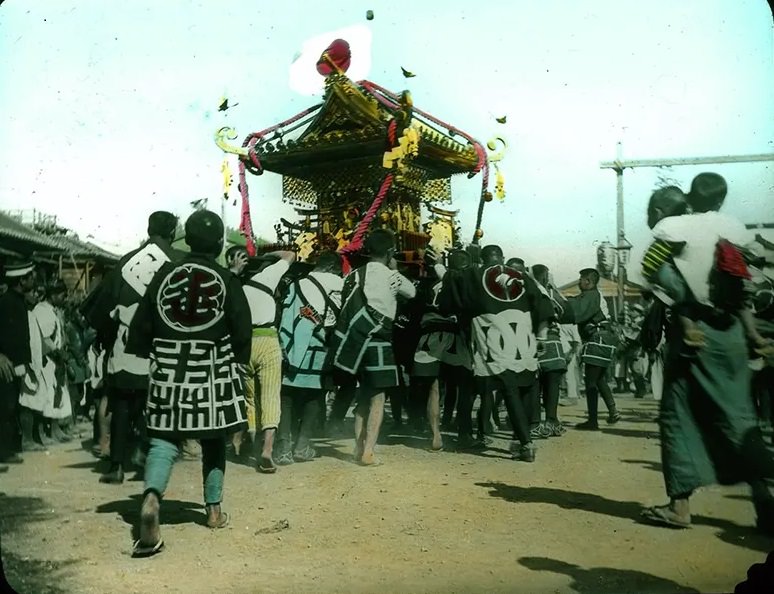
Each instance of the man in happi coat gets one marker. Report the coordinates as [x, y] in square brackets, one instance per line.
[552, 361]
[593, 320]
[508, 313]
[709, 430]
[309, 312]
[361, 350]
[193, 324]
[14, 355]
[111, 314]
[264, 377]
[443, 354]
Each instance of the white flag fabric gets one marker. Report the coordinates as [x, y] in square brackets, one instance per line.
[303, 75]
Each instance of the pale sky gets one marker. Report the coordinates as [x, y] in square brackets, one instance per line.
[108, 108]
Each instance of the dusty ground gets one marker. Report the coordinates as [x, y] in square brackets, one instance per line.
[423, 522]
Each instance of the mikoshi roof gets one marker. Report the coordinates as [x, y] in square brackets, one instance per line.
[339, 145]
[351, 124]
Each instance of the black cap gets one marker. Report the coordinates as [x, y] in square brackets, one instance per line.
[162, 223]
[204, 232]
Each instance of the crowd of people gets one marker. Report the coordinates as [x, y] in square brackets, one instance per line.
[49, 369]
[174, 351]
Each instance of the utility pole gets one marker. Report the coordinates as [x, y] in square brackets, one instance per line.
[623, 246]
[620, 231]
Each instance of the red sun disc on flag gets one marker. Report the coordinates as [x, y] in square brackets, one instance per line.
[337, 53]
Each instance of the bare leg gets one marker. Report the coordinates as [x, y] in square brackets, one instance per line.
[361, 411]
[375, 416]
[104, 427]
[149, 520]
[268, 443]
[236, 441]
[434, 414]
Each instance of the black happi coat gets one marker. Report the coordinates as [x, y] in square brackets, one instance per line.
[592, 318]
[14, 328]
[111, 308]
[505, 308]
[194, 325]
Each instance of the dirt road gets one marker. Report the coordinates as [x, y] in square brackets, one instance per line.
[422, 522]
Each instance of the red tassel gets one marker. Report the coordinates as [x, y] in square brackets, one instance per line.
[245, 224]
[729, 259]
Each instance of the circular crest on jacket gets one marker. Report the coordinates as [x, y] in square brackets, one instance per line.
[503, 283]
[191, 298]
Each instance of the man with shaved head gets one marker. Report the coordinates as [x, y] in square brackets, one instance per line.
[111, 314]
[194, 324]
[507, 311]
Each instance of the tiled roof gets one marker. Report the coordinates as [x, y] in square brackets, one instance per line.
[67, 244]
[10, 227]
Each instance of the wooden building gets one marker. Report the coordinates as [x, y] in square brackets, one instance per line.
[57, 252]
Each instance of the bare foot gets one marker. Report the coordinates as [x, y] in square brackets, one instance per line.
[216, 518]
[149, 520]
[369, 459]
[357, 453]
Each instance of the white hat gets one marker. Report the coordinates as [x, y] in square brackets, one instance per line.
[18, 268]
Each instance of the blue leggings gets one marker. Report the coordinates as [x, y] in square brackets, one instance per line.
[162, 455]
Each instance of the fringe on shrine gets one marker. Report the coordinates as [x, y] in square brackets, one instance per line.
[364, 158]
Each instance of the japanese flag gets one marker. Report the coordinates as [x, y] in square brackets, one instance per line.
[303, 76]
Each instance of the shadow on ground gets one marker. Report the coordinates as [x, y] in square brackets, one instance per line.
[641, 433]
[604, 579]
[96, 466]
[173, 511]
[24, 574]
[36, 576]
[742, 536]
[648, 464]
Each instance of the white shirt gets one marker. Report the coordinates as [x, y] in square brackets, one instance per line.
[382, 287]
[568, 334]
[700, 232]
[263, 307]
[332, 285]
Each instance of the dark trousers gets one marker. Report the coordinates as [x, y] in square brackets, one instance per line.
[76, 393]
[547, 387]
[450, 399]
[487, 408]
[126, 407]
[10, 435]
[595, 378]
[345, 395]
[763, 393]
[460, 390]
[398, 401]
[299, 415]
[516, 401]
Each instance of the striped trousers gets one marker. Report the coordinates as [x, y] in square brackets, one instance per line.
[264, 377]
